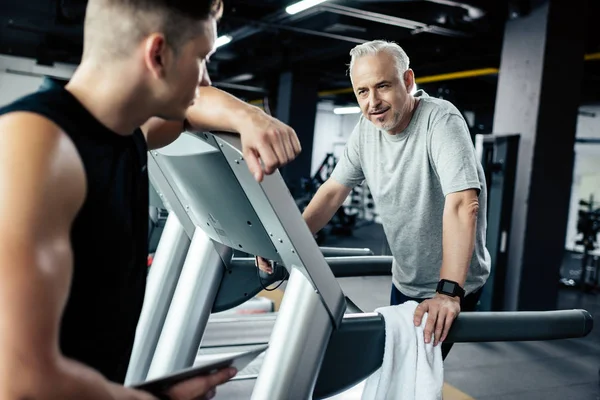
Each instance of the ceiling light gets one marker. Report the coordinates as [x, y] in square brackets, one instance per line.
[346, 110]
[222, 40]
[302, 5]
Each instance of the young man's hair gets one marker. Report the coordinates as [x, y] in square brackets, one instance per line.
[114, 27]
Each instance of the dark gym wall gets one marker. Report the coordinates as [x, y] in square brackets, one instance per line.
[538, 98]
[297, 106]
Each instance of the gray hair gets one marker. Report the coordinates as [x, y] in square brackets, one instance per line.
[374, 47]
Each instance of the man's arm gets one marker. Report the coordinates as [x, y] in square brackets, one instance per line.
[453, 158]
[264, 138]
[43, 185]
[328, 199]
[213, 110]
[458, 237]
[346, 175]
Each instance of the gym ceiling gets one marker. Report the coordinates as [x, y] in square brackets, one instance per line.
[454, 45]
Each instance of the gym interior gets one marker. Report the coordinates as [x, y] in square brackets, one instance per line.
[524, 74]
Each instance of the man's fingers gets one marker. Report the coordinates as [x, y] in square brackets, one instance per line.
[447, 325]
[201, 386]
[430, 325]
[289, 147]
[254, 165]
[210, 395]
[263, 264]
[276, 140]
[419, 312]
[268, 157]
[221, 377]
[439, 327]
[294, 141]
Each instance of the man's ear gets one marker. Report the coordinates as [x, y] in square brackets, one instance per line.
[409, 80]
[157, 55]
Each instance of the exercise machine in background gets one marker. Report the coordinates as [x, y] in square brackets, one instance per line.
[357, 210]
[581, 269]
[498, 156]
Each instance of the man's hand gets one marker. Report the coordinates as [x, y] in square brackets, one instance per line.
[202, 387]
[263, 264]
[269, 140]
[442, 310]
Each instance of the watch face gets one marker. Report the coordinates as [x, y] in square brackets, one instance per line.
[448, 287]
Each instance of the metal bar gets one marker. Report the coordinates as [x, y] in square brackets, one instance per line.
[469, 327]
[290, 28]
[341, 266]
[162, 280]
[240, 87]
[588, 140]
[472, 11]
[190, 309]
[281, 218]
[520, 326]
[345, 251]
[458, 75]
[360, 266]
[372, 16]
[280, 16]
[297, 345]
[390, 20]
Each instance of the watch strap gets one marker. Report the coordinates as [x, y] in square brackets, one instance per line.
[450, 288]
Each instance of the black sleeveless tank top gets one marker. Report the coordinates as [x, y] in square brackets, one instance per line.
[109, 236]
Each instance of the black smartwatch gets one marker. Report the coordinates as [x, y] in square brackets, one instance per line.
[450, 288]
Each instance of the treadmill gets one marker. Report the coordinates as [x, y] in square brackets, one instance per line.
[216, 207]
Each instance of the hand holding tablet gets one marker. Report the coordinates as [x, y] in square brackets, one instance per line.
[201, 379]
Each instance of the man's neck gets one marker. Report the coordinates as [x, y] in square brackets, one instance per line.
[411, 106]
[111, 98]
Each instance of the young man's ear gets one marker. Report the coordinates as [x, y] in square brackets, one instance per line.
[156, 55]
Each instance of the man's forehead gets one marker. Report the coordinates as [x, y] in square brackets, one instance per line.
[373, 76]
[367, 67]
[208, 37]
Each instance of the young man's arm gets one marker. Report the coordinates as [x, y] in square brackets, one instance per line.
[43, 187]
[263, 137]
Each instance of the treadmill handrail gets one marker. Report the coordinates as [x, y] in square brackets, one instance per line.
[469, 327]
[501, 326]
[345, 251]
[347, 266]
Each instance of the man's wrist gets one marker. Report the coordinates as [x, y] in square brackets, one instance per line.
[244, 117]
[450, 288]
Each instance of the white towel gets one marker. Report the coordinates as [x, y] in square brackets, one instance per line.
[411, 369]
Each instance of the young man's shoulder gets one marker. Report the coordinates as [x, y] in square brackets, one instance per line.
[32, 101]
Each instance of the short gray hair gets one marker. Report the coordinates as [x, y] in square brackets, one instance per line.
[375, 46]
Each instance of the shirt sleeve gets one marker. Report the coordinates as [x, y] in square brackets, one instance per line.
[453, 155]
[348, 170]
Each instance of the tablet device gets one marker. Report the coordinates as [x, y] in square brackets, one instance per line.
[214, 362]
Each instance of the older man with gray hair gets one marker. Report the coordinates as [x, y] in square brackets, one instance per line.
[416, 155]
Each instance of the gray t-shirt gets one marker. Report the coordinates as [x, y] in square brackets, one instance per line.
[409, 175]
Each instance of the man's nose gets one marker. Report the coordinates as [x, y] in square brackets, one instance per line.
[205, 78]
